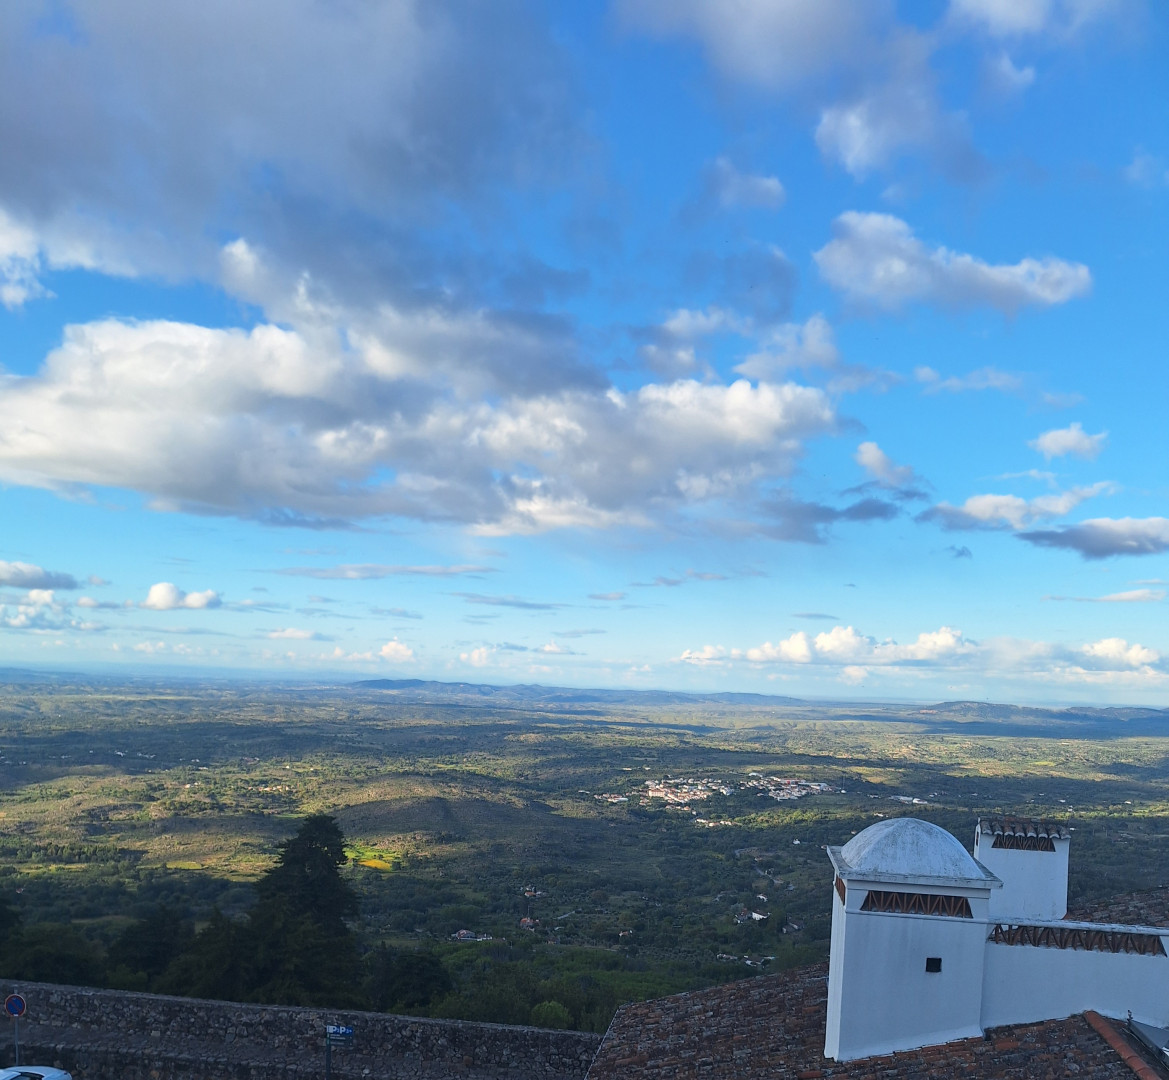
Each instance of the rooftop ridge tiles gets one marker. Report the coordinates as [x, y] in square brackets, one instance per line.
[1114, 1039]
[1015, 825]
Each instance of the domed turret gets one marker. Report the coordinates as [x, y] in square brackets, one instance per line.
[908, 849]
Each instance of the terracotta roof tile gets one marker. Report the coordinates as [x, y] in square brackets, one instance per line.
[1008, 825]
[1149, 908]
[773, 1027]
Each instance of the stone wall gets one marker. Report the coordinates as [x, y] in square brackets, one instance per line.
[108, 1034]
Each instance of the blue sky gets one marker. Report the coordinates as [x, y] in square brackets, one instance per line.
[800, 346]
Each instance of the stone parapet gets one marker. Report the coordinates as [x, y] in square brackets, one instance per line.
[108, 1034]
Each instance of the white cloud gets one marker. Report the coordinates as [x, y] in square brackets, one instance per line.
[280, 425]
[868, 133]
[1129, 596]
[292, 633]
[796, 649]
[775, 46]
[843, 645]
[396, 652]
[1118, 652]
[22, 575]
[876, 259]
[1010, 511]
[845, 653]
[793, 345]
[733, 189]
[168, 597]
[1004, 78]
[1101, 538]
[479, 657]
[379, 110]
[1070, 440]
[19, 263]
[375, 571]
[870, 457]
[707, 656]
[1023, 18]
[1134, 596]
[987, 378]
[1145, 170]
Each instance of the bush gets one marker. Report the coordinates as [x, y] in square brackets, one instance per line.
[551, 1014]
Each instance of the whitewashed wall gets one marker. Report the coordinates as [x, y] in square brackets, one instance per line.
[1024, 984]
[1035, 883]
[880, 997]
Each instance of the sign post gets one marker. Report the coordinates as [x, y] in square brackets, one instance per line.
[335, 1035]
[15, 1006]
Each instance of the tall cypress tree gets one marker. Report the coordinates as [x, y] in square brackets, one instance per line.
[302, 950]
[295, 947]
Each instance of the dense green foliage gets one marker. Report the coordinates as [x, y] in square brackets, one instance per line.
[189, 839]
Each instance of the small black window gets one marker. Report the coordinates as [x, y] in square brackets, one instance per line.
[933, 964]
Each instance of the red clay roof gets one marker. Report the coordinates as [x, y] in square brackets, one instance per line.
[773, 1027]
[1149, 908]
[1008, 825]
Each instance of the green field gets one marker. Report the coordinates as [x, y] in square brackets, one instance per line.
[468, 812]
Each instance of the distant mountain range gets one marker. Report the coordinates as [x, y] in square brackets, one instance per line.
[533, 694]
[970, 716]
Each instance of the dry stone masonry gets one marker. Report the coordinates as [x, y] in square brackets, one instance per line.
[115, 1035]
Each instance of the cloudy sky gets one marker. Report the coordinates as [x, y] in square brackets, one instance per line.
[811, 347]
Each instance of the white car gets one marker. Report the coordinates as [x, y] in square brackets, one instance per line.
[34, 1072]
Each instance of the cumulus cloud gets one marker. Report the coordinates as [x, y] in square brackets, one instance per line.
[396, 652]
[19, 263]
[896, 113]
[876, 259]
[707, 656]
[363, 117]
[1116, 651]
[846, 653]
[167, 597]
[1009, 511]
[292, 633]
[811, 344]
[731, 189]
[271, 425]
[478, 657]
[1102, 538]
[870, 457]
[775, 46]
[1070, 440]
[813, 46]
[844, 645]
[22, 575]
[1029, 18]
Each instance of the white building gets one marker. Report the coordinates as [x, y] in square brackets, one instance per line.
[930, 944]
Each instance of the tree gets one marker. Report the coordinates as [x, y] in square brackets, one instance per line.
[305, 878]
[147, 947]
[294, 947]
[302, 950]
[401, 981]
[217, 963]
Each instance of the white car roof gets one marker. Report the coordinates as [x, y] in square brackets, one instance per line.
[34, 1072]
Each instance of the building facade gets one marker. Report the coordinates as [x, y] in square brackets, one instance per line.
[932, 944]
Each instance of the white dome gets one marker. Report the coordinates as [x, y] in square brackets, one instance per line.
[909, 848]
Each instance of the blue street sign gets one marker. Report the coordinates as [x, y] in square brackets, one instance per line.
[339, 1031]
[15, 1005]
